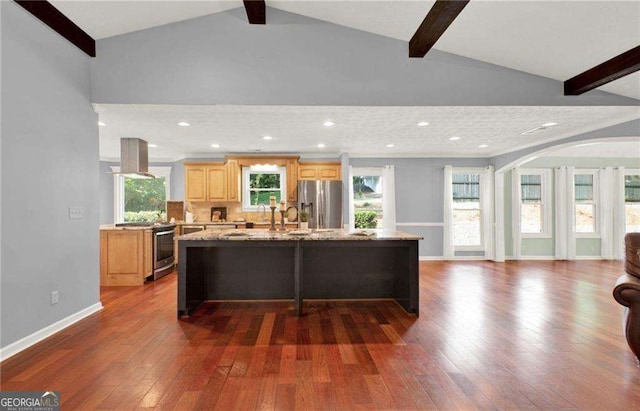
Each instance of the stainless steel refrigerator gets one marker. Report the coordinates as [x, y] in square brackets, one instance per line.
[322, 200]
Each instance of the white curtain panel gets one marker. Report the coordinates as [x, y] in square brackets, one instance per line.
[618, 213]
[515, 224]
[499, 233]
[571, 213]
[488, 210]
[352, 207]
[561, 212]
[447, 238]
[606, 213]
[388, 198]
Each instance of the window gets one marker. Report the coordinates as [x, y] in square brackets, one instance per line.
[467, 216]
[632, 202]
[585, 192]
[535, 212]
[138, 200]
[260, 182]
[367, 198]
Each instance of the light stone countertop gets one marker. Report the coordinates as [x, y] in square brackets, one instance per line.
[322, 235]
[111, 227]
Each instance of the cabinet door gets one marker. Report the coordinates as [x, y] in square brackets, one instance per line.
[307, 172]
[216, 183]
[331, 172]
[148, 254]
[233, 174]
[195, 183]
[292, 181]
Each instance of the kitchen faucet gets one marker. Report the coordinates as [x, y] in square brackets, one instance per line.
[264, 212]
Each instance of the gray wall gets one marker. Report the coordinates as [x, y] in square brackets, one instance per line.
[221, 59]
[49, 163]
[420, 194]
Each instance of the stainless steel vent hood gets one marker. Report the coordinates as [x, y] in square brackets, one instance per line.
[134, 158]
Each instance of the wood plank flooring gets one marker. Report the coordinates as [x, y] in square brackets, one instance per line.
[515, 335]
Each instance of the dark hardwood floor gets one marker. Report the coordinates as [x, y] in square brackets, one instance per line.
[518, 335]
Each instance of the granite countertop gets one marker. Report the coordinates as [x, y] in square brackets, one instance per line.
[112, 227]
[255, 223]
[322, 235]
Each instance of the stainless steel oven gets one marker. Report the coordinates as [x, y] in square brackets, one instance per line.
[163, 258]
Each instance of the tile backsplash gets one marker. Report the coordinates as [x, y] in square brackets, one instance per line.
[202, 211]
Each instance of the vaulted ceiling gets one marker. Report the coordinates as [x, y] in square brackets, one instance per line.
[555, 39]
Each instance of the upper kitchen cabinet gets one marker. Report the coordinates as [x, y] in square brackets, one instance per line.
[319, 171]
[195, 182]
[292, 180]
[206, 182]
[234, 181]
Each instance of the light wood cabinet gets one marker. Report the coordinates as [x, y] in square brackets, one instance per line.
[319, 171]
[234, 181]
[292, 181]
[216, 183]
[205, 182]
[195, 183]
[125, 257]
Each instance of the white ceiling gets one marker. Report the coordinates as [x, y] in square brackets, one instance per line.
[358, 130]
[609, 149]
[555, 39]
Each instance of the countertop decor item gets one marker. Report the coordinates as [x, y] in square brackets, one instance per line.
[282, 226]
[273, 217]
[292, 214]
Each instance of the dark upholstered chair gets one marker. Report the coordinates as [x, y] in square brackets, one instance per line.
[627, 292]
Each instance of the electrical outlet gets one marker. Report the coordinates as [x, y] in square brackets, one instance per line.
[76, 213]
[54, 297]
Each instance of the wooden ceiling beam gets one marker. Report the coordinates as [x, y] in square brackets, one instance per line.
[439, 18]
[61, 24]
[613, 69]
[256, 11]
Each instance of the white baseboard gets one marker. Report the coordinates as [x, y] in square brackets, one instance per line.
[536, 257]
[589, 257]
[431, 258]
[31, 339]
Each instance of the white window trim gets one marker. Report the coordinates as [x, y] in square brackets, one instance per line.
[118, 189]
[246, 197]
[481, 247]
[547, 226]
[596, 201]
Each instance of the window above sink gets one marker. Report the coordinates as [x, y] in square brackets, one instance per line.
[261, 181]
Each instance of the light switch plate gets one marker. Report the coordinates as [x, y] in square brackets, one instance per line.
[76, 213]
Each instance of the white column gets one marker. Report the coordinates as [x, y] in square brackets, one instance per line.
[618, 212]
[571, 214]
[488, 210]
[515, 207]
[499, 217]
[605, 214]
[560, 213]
[447, 238]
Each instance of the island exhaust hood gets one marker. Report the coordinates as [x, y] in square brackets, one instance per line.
[134, 158]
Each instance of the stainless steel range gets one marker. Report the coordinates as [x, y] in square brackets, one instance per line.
[163, 257]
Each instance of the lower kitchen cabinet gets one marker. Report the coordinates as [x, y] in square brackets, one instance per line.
[125, 256]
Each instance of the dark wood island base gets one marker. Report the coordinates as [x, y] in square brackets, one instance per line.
[262, 266]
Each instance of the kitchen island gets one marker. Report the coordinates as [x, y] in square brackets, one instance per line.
[326, 264]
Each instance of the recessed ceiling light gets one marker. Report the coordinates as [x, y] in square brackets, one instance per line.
[152, 145]
[587, 144]
[184, 124]
[422, 124]
[321, 145]
[215, 145]
[328, 123]
[267, 138]
[454, 138]
[101, 124]
[391, 145]
[549, 124]
[483, 146]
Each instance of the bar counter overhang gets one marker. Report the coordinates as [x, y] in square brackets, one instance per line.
[327, 264]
